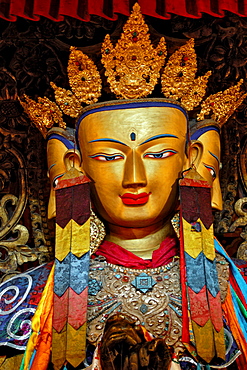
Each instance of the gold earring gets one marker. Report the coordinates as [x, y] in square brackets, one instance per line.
[97, 232]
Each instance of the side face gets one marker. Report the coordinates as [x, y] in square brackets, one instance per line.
[56, 168]
[210, 165]
[134, 158]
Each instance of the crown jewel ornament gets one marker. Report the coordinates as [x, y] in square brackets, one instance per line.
[67, 102]
[84, 77]
[132, 69]
[178, 79]
[179, 71]
[43, 114]
[223, 104]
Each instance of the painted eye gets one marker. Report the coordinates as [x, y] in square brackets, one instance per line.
[160, 155]
[104, 157]
[55, 180]
[211, 170]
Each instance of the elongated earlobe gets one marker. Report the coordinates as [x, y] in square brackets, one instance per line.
[72, 158]
[195, 152]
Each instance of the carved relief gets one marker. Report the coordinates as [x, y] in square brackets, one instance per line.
[22, 212]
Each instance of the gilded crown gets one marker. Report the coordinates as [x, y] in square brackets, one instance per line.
[178, 79]
[43, 114]
[222, 105]
[133, 68]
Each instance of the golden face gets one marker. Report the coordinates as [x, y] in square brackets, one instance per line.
[210, 165]
[134, 158]
[56, 168]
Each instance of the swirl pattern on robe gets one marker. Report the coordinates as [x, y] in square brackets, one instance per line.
[19, 297]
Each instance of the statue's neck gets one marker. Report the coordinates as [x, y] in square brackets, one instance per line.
[140, 241]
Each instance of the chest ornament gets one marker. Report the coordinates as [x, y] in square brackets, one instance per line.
[151, 297]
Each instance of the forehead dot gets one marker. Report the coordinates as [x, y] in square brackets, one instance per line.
[132, 136]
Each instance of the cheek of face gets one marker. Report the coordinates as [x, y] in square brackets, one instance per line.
[209, 166]
[56, 167]
[134, 182]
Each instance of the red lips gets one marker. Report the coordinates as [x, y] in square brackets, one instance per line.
[134, 199]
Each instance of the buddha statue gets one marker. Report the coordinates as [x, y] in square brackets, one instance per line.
[134, 154]
[152, 300]
[59, 142]
[134, 170]
[127, 165]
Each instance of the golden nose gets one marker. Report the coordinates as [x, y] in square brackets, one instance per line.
[134, 171]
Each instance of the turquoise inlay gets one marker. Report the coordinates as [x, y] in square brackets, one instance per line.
[177, 300]
[132, 136]
[114, 307]
[179, 313]
[144, 308]
[143, 282]
[100, 312]
[108, 303]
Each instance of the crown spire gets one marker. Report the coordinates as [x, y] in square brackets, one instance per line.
[43, 114]
[84, 78]
[133, 66]
[222, 104]
[85, 83]
[178, 79]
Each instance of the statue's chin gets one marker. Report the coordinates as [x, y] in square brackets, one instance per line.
[136, 216]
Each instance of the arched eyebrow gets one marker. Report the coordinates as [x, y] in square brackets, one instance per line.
[54, 164]
[108, 139]
[158, 137]
[215, 156]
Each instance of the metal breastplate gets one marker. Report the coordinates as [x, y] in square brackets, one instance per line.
[151, 297]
